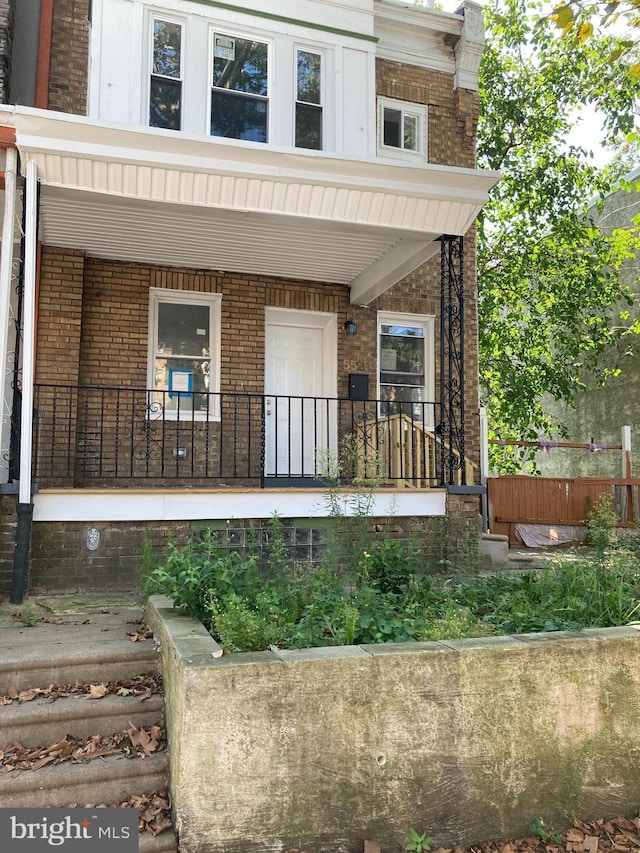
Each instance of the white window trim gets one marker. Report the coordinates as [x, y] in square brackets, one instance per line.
[158, 295]
[402, 153]
[222, 29]
[170, 19]
[308, 48]
[427, 322]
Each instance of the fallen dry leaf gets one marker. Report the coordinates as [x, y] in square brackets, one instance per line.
[138, 636]
[97, 691]
[591, 844]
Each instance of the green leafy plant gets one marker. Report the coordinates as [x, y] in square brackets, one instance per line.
[601, 523]
[26, 617]
[539, 829]
[418, 842]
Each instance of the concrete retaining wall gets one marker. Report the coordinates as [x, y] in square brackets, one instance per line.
[467, 740]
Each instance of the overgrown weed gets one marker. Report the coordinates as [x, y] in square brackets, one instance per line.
[377, 589]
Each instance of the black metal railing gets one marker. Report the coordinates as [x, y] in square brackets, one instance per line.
[101, 436]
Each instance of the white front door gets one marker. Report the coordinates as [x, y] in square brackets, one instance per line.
[299, 384]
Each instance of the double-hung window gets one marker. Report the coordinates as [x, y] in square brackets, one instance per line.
[402, 129]
[239, 88]
[165, 88]
[308, 100]
[406, 362]
[184, 353]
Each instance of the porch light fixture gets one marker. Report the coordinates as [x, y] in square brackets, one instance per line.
[350, 327]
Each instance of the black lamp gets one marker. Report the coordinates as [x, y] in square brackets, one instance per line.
[350, 327]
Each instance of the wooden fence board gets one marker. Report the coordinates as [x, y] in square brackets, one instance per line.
[520, 499]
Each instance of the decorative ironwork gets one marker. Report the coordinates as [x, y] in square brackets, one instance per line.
[368, 428]
[146, 431]
[102, 435]
[451, 427]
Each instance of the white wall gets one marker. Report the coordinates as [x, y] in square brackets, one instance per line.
[120, 48]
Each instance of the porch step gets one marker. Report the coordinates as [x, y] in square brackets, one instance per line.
[103, 780]
[40, 721]
[42, 655]
[86, 649]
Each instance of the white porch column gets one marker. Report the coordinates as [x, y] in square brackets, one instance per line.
[28, 351]
[6, 269]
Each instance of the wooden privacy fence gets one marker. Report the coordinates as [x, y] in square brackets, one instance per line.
[556, 501]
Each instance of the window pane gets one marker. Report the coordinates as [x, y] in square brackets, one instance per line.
[308, 126]
[403, 355]
[391, 129]
[407, 331]
[183, 329]
[239, 65]
[309, 69]
[238, 117]
[164, 104]
[399, 378]
[411, 132]
[166, 49]
[181, 379]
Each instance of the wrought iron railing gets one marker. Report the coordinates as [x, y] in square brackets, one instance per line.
[87, 436]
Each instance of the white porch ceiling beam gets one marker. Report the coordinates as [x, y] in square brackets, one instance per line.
[401, 260]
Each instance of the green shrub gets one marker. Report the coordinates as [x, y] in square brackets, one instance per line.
[377, 589]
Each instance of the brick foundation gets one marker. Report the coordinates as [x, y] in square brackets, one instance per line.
[61, 560]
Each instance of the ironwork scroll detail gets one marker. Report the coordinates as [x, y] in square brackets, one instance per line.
[146, 432]
[451, 427]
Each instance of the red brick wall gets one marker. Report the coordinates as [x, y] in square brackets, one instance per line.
[93, 319]
[59, 321]
[8, 524]
[69, 57]
[452, 114]
[6, 43]
[61, 561]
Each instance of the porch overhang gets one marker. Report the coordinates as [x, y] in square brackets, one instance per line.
[156, 197]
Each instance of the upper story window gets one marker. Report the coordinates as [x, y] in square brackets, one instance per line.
[308, 132]
[165, 91]
[239, 88]
[402, 129]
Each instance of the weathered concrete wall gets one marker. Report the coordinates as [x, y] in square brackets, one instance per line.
[467, 740]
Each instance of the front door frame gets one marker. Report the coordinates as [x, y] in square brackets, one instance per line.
[327, 323]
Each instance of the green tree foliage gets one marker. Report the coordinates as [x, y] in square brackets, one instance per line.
[580, 19]
[547, 277]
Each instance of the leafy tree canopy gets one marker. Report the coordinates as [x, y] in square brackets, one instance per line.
[547, 277]
[582, 18]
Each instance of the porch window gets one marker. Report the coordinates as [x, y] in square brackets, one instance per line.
[184, 344]
[402, 129]
[165, 90]
[406, 363]
[309, 100]
[239, 88]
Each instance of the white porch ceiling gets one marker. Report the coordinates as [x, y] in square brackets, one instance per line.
[142, 195]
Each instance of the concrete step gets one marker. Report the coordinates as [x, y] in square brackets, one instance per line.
[42, 722]
[69, 646]
[163, 843]
[37, 657]
[103, 780]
